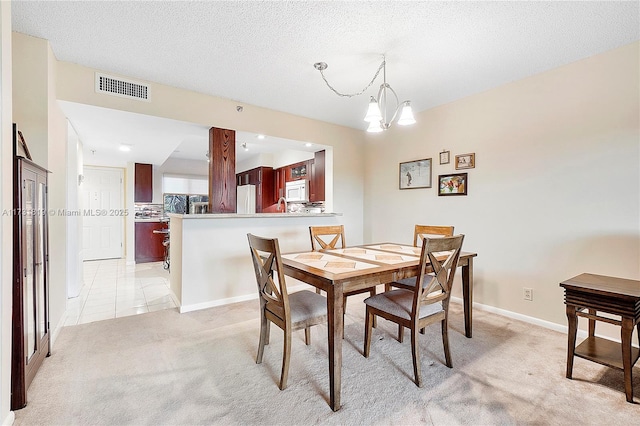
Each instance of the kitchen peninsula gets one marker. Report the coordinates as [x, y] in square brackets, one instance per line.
[210, 258]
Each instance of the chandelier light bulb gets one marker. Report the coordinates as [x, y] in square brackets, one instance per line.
[373, 113]
[374, 127]
[406, 117]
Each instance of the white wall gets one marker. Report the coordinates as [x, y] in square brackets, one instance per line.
[181, 166]
[59, 235]
[556, 187]
[74, 222]
[6, 221]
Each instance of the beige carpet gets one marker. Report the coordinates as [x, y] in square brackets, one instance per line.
[199, 369]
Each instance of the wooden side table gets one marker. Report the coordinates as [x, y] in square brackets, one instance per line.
[617, 296]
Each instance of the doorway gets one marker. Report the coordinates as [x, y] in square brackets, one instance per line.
[103, 213]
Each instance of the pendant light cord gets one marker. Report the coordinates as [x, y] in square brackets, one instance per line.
[350, 95]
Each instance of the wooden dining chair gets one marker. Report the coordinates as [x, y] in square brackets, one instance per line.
[421, 232]
[290, 312]
[332, 237]
[425, 304]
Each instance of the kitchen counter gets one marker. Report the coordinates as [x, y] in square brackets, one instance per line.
[251, 216]
[151, 219]
[210, 258]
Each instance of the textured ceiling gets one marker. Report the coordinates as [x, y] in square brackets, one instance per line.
[262, 52]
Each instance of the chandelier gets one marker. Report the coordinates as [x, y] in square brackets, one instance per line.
[378, 113]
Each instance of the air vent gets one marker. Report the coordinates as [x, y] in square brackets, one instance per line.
[123, 88]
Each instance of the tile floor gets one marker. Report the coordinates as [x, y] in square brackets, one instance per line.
[114, 289]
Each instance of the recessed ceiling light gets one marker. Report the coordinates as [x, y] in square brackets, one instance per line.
[261, 136]
[308, 144]
[125, 148]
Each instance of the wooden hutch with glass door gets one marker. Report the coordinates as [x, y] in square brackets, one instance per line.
[30, 322]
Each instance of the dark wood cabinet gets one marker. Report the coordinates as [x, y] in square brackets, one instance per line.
[143, 183]
[280, 179]
[297, 171]
[30, 322]
[148, 244]
[264, 180]
[316, 182]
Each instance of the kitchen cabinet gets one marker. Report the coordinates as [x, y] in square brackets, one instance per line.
[280, 179]
[263, 179]
[143, 183]
[30, 325]
[316, 182]
[148, 245]
[298, 171]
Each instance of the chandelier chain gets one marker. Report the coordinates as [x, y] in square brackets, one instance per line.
[351, 95]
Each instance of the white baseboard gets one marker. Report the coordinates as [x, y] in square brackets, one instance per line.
[213, 303]
[55, 331]
[509, 314]
[532, 320]
[230, 300]
[8, 421]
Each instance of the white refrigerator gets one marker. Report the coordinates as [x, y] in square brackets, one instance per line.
[246, 199]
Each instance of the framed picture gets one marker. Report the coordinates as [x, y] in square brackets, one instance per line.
[465, 161]
[22, 146]
[455, 184]
[415, 174]
[444, 157]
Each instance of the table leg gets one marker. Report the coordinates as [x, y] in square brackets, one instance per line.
[626, 333]
[335, 308]
[592, 323]
[572, 319]
[467, 296]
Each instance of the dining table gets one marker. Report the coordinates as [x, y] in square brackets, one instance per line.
[337, 271]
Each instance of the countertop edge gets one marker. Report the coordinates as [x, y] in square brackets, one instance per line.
[250, 216]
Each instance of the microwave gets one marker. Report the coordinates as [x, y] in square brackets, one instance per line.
[296, 191]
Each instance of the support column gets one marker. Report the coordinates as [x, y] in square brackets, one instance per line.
[222, 170]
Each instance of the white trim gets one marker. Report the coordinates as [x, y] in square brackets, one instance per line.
[55, 332]
[228, 301]
[532, 320]
[8, 421]
[213, 303]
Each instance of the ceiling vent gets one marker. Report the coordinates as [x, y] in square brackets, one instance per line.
[121, 87]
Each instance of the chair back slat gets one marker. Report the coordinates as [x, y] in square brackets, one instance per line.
[442, 255]
[425, 231]
[327, 237]
[267, 264]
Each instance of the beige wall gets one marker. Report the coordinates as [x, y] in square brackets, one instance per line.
[556, 188]
[30, 93]
[6, 223]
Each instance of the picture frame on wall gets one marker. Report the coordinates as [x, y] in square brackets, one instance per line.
[415, 174]
[465, 161]
[444, 157]
[453, 184]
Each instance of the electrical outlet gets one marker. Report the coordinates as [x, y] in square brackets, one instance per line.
[527, 293]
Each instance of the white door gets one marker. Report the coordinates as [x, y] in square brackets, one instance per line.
[103, 213]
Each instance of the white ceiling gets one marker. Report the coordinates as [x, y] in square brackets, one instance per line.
[262, 52]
